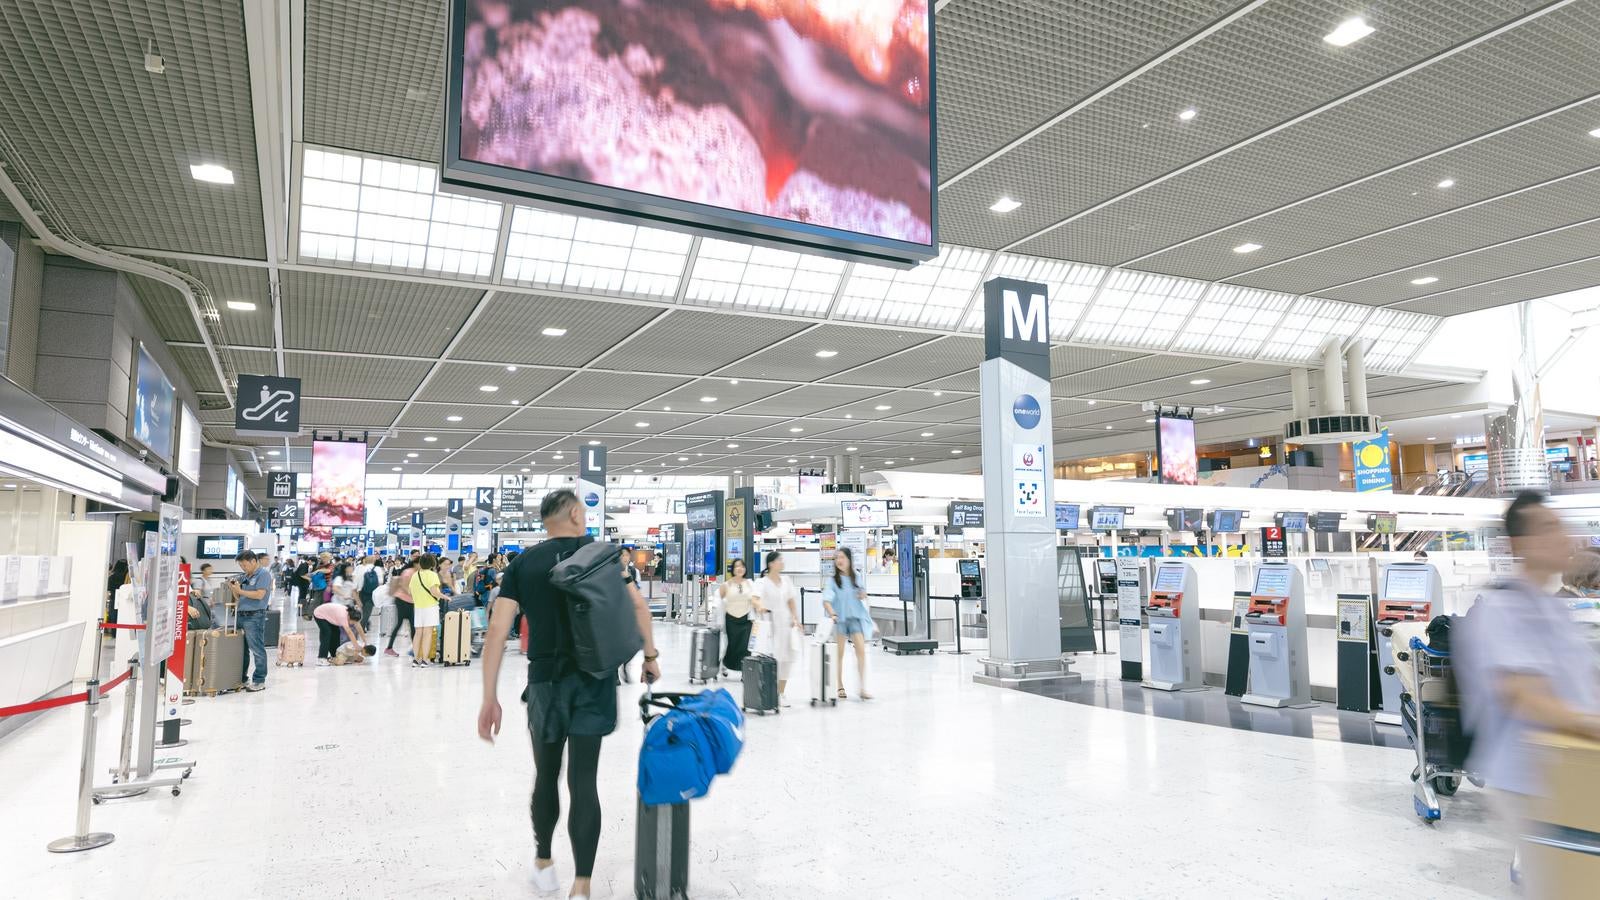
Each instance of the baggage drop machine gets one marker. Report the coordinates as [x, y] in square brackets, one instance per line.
[1405, 603]
[1280, 673]
[1174, 612]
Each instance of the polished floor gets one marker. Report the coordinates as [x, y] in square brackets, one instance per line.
[370, 782]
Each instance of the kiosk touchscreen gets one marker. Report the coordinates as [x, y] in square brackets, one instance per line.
[1105, 576]
[971, 579]
[1174, 611]
[1408, 593]
[1280, 673]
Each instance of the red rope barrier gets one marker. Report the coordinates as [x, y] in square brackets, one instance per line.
[112, 626]
[68, 700]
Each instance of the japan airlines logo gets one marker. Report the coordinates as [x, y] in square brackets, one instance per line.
[1027, 458]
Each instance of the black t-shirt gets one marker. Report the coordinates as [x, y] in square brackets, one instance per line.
[544, 609]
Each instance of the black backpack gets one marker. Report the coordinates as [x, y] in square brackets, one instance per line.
[369, 581]
[605, 633]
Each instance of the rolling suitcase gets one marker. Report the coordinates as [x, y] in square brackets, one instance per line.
[456, 633]
[661, 852]
[705, 646]
[221, 665]
[388, 618]
[820, 678]
[274, 627]
[760, 675]
[292, 649]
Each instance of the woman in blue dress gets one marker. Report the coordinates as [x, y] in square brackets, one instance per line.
[845, 601]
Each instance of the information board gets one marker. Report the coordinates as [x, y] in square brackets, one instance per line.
[1292, 521]
[1106, 518]
[966, 514]
[1226, 521]
[1326, 521]
[1066, 517]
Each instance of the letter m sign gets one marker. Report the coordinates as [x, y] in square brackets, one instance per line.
[1016, 324]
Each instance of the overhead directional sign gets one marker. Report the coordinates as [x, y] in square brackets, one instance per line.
[267, 406]
[289, 511]
[281, 485]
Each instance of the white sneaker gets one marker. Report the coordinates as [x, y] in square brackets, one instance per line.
[545, 880]
[323, 662]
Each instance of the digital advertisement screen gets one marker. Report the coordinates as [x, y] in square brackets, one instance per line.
[152, 421]
[223, 546]
[1105, 518]
[1381, 524]
[231, 493]
[1175, 451]
[812, 480]
[802, 121]
[1326, 521]
[1186, 519]
[1273, 581]
[1066, 517]
[1292, 521]
[1226, 521]
[1406, 583]
[1169, 578]
[338, 487]
[864, 514]
[188, 461]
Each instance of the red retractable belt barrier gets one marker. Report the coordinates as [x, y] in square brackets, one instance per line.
[69, 699]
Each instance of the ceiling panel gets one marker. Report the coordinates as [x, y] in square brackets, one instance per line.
[417, 438]
[350, 312]
[1510, 290]
[464, 382]
[197, 368]
[1180, 390]
[637, 423]
[722, 426]
[797, 359]
[712, 395]
[435, 415]
[1553, 206]
[167, 309]
[1094, 382]
[679, 342]
[1069, 359]
[355, 376]
[964, 381]
[810, 399]
[348, 414]
[389, 102]
[514, 441]
[111, 143]
[1525, 155]
[609, 390]
[934, 359]
[1106, 149]
[247, 284]
[545, 418]
[509, 329]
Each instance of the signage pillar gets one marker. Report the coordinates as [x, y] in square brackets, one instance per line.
[592, 488]
[744, 531]
[419, 523]
[452, 526]
[483, 521]
[1018, 489]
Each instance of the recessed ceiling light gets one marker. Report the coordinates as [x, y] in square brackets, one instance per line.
[1595, 133]
[956, 452]
[1199, 381]
[1247, 247]
[1349, 31]
[1446, 184]
[397, 469]
[1149, 421]
[666, 409]
[1430, 439]
[888, 462]
[430, 439]
[1426, 279]
[452, 418]
[733, 446]
[1092, 402]
[699, 454]
[708, 399]
[938, 393]
[635, 471]
[511, 368]
[849, 415]
[827, 354]
[1004, 205]
[211, 172]
[683, 459]
[558, 456]
[796, 430]
[1110, 427]
[851, 449]
[280, 468]
[516, 402]
[641, 424]
[927, 434]
[733, 381]
[274, 453]
[527, 470]
[411, 456]
[488, 388]
[1188, 114]
[448, 450]
[791, 460]
[553, 332]
[1455, 415]
[883, 407]
[242, 305]
[738, 471]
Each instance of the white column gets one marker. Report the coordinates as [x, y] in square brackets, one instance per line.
[1355, 363]
[1300, 390]
[1332, 379]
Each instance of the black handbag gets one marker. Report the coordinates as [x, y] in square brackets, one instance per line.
[605, 627]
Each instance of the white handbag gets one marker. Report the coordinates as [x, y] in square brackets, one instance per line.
[824, 632]
[761, 637]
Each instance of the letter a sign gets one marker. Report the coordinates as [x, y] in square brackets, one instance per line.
[1017, 324]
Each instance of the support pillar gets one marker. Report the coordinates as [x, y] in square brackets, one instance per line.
[1515, 439]
[1355, 365]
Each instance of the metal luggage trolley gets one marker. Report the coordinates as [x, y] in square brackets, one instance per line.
[1431, 717]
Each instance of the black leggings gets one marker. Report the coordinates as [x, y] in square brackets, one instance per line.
[407, 617]
[328, 635]
[583, 820]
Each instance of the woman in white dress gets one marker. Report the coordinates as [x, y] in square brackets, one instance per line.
[776, 597]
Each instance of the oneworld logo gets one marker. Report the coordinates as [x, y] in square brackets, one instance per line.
[1026, 410]
[591, 499]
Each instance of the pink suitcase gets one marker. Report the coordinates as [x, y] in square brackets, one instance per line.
[292, 649]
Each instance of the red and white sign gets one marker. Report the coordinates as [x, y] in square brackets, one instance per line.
[1273, 545]
[174, 694]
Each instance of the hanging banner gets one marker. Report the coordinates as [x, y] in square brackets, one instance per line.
[452, 526]
[733, 530]
[163, 623]
[1372, 470]
[592, 487]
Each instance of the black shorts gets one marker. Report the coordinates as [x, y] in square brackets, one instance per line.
[574, 704]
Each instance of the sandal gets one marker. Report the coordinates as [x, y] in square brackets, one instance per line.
[865, 696]
[843, 695]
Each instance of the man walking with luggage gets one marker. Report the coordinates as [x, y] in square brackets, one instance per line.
[251, 591]
[569, 711]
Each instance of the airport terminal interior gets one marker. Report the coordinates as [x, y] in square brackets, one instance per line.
[892, 449]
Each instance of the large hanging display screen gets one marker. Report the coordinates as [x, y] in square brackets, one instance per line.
[153, 417]
[803, 122]
[338, 487]
[1175, 451]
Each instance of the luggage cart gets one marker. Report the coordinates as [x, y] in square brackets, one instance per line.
[1431, 717]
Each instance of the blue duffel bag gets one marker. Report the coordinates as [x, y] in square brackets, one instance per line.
[724, 724]
[697, 737]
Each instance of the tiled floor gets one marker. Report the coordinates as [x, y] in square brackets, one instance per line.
[370, 782]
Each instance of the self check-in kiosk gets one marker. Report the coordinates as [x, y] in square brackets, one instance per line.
[1174, 611]
[1105, 577]
[971, 573]
[1408, 592]
[1280, 672]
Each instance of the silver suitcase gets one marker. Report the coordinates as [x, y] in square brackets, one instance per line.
[823, 658]
[705, 646]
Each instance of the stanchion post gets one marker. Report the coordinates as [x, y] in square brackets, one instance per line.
[124, 764]
[83, 838]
